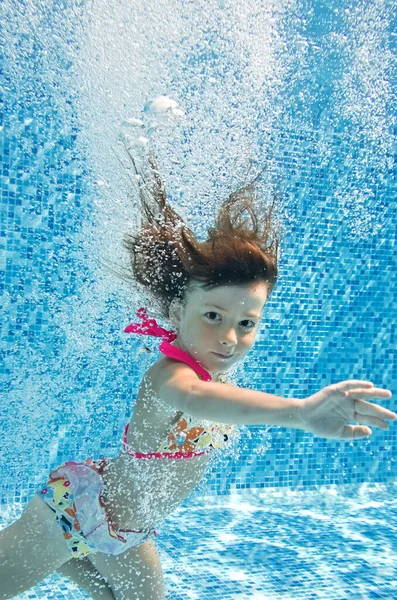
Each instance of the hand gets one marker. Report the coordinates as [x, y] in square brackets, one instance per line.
[325, 413]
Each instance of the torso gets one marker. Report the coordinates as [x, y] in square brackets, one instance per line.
[140, 493]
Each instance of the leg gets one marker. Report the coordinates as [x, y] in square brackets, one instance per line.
[133, 575]
[31, 548]
[82, 572]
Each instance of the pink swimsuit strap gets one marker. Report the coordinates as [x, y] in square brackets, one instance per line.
[151, 327]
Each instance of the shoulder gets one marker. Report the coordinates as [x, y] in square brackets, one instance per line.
[168, 382]
[167, 368]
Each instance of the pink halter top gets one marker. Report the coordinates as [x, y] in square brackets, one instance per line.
[151, 327]
[189, 437]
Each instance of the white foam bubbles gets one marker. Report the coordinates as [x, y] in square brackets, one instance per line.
[163, 105]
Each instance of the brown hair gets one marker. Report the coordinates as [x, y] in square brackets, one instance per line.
[165, 256]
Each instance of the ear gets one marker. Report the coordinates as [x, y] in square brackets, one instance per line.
[175, 312]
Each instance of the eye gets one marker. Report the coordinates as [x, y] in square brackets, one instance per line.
[210, 313]
[248, 326]
[245, 321]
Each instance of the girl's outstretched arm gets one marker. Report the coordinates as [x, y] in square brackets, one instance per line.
[182, 388]
[323, 414]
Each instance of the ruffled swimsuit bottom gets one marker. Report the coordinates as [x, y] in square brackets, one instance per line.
[73, 493]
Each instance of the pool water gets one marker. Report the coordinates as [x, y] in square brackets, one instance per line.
[304, 87]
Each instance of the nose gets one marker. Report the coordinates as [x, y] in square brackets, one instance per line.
[229, 337]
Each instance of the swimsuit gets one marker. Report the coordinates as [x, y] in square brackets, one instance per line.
[73, 491]
[189, 437]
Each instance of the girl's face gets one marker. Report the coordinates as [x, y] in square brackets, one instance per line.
[224, 320]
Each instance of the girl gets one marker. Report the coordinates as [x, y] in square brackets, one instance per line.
[105, 513]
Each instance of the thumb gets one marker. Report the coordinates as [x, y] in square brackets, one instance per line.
[356, 432]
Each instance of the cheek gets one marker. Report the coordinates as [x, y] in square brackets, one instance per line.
[249, 341]
[206, 333]
[200, 331]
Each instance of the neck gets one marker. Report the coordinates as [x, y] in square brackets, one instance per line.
[178, 345]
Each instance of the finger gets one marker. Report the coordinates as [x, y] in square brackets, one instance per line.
[355, 432]
[362, 407]
[368, 393]
[366, 420]
[350, 384]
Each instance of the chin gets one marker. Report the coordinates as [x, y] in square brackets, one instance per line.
[221, 370]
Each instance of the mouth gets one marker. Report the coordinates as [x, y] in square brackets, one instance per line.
[223, 356]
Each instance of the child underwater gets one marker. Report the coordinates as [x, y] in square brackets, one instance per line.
[105, 513]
